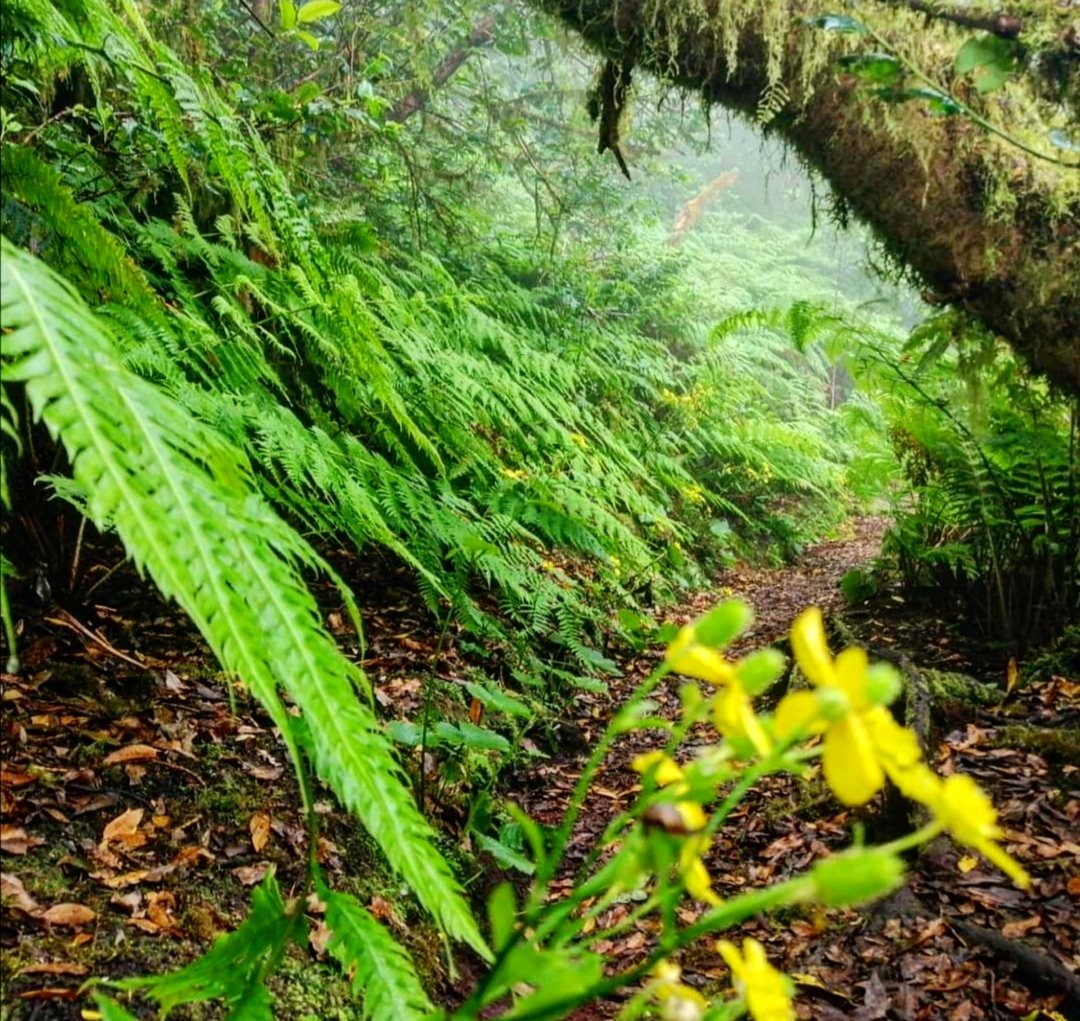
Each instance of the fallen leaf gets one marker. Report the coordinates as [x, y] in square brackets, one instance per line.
[54, 968]
[260, 830]
[132, 753]
[319, 936]
[967, 863]
[249, 875]
[14, 840]
[11, 778]
[14, 894]
[1021, 927]
[51, 993]
[124, 827]
[264, 772]
[69, 915]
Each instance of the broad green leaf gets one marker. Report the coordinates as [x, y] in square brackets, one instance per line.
[315, 10]
[939, 102]
[504, 855]
[287, 15]
[480, 737]
[878, 68]
[306, 37]
[983, 51]
[502, 915]
[497, 699]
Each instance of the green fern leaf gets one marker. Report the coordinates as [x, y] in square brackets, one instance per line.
[381, 968]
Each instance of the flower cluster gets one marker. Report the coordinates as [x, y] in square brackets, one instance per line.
[844, 718]
[761, 991]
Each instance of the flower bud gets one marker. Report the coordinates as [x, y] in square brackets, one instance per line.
[859, 875]
[883, 683]
[758, 670]
[832, 703]
[719, 626]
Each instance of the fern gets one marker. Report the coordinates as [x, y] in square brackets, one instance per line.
[180, 498]
[237, 965]
[380, 967]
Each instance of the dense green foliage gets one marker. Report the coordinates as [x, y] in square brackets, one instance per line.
[990, 520]
[263, 313]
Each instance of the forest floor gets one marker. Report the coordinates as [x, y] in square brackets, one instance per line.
[142, 800]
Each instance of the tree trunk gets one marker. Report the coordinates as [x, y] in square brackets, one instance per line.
[984, 224]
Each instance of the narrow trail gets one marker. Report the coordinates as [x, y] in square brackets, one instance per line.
[776, 594]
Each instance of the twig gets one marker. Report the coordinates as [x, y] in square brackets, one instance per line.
[67, 620]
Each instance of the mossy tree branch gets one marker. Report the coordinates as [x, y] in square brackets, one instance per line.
[985, 225]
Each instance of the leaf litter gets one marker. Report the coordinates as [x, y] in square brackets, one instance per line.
[138, 806]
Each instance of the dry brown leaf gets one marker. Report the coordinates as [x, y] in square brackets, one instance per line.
[264, 772]
[319, 936]
[14, 894]
[51, 993]
[260, 830]
[12, 778]
[54, 968]
[71, 916]
[14, 840]
[1021, 927]
[123, 827]
[132, 753]
[249, 875]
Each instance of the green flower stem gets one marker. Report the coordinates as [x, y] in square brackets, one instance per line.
[717, 920]
[917, 838]
[545, 871]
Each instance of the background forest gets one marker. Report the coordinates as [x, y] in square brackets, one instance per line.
[292, 292]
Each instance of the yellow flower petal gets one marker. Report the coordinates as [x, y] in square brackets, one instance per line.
[702, 663]
[668, 771]
[851, 667]
[735, 718]
[798, 713]
[766, 991]
[851, 769]
[692, 814]
[810, 648]
[697, 881]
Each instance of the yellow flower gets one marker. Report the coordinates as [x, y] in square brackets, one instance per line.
[580, 440]
[685, 819]
[687, 656]
[735, 718]
[678, 1002]
[766, 991]
[668, 771]
[962, 808]
[733, 712]
[862, 740]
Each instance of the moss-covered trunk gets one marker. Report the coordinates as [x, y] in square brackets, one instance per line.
[985, 225]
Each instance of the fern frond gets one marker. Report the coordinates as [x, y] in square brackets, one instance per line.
[180, 498]
[382, 972]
